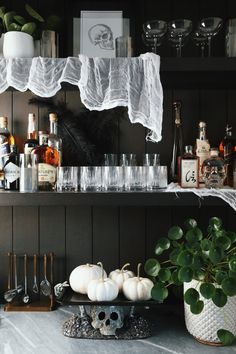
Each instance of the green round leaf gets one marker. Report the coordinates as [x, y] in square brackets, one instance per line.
[215, 223]
[190, 224]
[207, 290]
[231, 235]
[159, 292]
[164, 274]
[174, 255]
[219, 298]
[152, 267]
[33, 13]
[197, 307]
[232, 265]
[174, 278]
[19, 19]
[226, 337]
[14, 27]
[2, 12]
[232, 274]
[162, 244]
[216, 254]
[185, 274]
[199, 275]
[205, 245]
[220, 276]
[223, 242]
[197, 262]
[8, 18]
[175, 233]
[194, 235]
[191, 296]
[229, 286]
[185, 259]
[29, 28]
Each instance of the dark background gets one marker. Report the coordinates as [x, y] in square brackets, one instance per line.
[116, 235]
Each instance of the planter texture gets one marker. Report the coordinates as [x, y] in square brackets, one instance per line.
[18, 45]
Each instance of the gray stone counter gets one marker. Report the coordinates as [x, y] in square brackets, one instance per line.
[41, 333]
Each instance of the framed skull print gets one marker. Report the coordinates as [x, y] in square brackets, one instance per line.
[97, 31]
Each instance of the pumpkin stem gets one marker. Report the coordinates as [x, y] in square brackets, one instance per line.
[138, 270]
[101, 265]
[124, 266]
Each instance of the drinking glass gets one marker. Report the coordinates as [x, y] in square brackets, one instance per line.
[209, 27]
[178, 31]
[162, 176]
[156, 177]
[135, 178]
[112, 178]
[28, 164]
[128, 160]
[67, 179]
[151, 159]
[200, 41]
[154, 31]
[90, 178]
[110, 160]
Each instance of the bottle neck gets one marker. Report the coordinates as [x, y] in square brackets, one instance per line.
[32, 132]
[43, 139]
[202, 133]
[177, 116]
[53, 128]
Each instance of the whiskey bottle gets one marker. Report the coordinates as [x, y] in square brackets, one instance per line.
[227, 152]
[214, 170]
[6, 138]
[12, 170]
[202, 148]
[53, 139]
[178, 141]
[48, 161]
[189, 169]
[32, 136]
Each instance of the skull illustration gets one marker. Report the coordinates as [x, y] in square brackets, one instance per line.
[101, 35]
[107, 319]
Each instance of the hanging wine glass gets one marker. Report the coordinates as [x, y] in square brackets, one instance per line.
[209, 27]
[178, 31]
[154, 31]
[200, 41]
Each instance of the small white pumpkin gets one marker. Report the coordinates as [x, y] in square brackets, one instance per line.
[81, 276]
[120, 275]
[103, 289]
[138, 288]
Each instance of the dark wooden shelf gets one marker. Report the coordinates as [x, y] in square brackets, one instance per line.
[159, 198]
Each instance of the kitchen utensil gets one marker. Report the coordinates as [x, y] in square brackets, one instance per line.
[25, 297]
[35, 285]
[12, 293]
[45, 286]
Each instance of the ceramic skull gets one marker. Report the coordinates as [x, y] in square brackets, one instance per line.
[107, 319]
[102, 36]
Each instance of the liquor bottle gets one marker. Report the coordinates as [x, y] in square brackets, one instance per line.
[202, 148]
[32, 136]
[6, 140]
[178, 141]
[189, 169]
[53, 139]
[214, 170]
[12, 170]
[227, 152]
[48, 161]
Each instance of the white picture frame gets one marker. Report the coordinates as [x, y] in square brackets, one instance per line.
[95, 33]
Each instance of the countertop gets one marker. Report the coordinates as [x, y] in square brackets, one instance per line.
[41, 333]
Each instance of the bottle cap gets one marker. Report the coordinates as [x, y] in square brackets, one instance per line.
[214, 152]
[202, 124]
[53, 117]
[3, 122]
[31, 116]
[189, 148]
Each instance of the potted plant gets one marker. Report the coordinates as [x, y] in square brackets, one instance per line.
[206, 267]
[19, 33]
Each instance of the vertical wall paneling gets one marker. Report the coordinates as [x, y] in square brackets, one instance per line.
[79, 241]
[5, 244]
[106, 237]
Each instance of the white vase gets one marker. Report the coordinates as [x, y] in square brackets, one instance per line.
[205, 325]
[18, 45]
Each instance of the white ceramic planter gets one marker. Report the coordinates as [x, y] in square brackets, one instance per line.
[18, 45]
[204, 326]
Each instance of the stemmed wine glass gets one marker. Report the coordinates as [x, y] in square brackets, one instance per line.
[178, 30]
[200, 41]
[154, 31]
[209, 27]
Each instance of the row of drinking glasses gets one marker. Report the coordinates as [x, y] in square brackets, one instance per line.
[130, 160]
[178, 31]
[111, 178]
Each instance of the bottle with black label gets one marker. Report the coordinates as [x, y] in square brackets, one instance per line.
[32, 136]
[227, 152]
[12, 170]
[6, 140]
[178, 147]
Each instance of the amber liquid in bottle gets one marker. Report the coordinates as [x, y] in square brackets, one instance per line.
[189, 169]
[227, 150]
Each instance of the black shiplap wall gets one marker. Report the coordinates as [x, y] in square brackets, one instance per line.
[115, 235]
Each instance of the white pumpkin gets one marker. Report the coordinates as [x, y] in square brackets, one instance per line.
[103, 289]
[138, 288]
[120, 275]
[81, 276]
